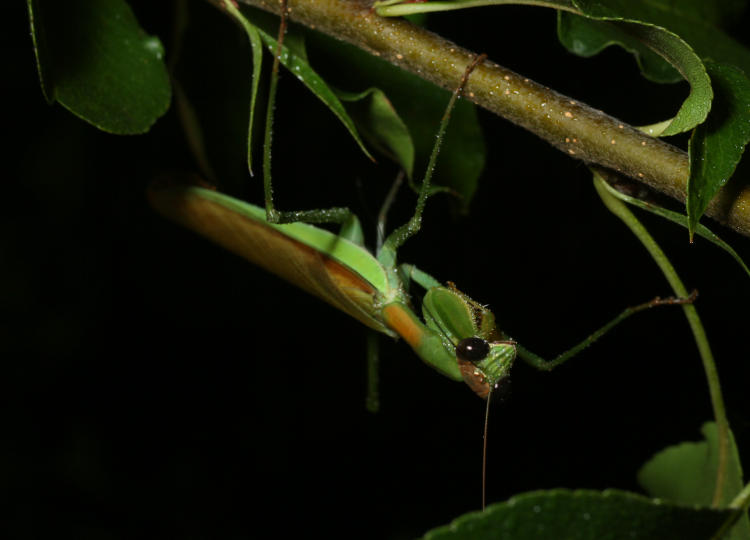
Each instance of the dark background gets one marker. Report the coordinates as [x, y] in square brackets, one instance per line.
[155, 385]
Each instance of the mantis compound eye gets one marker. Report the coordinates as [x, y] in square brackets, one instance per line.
[473, 349]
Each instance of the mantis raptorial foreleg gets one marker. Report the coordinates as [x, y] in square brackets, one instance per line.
[386, 249]
[410, 273]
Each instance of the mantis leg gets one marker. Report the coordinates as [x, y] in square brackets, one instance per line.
[409, 273]
[387, 203]
[540, 363]
[396, 239]
[372, 400]
[338, 215]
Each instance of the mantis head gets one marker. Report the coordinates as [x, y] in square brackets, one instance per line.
[468, 331]
[485, 365]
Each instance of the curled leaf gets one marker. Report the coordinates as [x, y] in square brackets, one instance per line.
[716, 146]
[587, 26]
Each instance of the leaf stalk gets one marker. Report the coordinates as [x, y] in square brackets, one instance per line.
[619, 208]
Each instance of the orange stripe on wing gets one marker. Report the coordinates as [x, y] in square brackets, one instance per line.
[343, 275]
[402, 322]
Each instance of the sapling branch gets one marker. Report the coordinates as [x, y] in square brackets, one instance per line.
[571, 126]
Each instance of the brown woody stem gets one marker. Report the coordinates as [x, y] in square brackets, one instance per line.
[571, 126]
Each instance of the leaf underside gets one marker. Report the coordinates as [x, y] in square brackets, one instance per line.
[96, 61]
[562, 514]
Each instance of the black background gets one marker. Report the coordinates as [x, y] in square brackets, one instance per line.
[155, 385]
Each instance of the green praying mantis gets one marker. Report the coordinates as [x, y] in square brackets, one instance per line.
[456, 335]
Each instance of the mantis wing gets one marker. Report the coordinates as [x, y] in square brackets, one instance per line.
[317, 261]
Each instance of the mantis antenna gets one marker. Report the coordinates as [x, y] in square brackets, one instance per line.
[484, 450]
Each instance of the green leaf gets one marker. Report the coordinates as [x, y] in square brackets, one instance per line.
[257, 49]
[680, 219]
[97, 62]
[588, 37]
[380, 124]
[294, 58]
[686, 474]
[587, 26]
[716, 146]
[420, 105]
[562, 514]
[41, 51]
[697, 22]
[717, 12]
[628, 24]
[398, 8]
